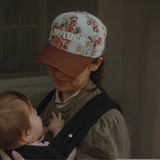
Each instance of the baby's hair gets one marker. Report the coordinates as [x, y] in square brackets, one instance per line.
[14, 118]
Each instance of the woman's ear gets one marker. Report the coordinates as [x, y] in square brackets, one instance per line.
[95, 66]
[26, 136]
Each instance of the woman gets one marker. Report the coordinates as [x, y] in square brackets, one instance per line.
[74, 56]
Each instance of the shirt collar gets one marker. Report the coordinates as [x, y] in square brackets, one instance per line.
[58, 100]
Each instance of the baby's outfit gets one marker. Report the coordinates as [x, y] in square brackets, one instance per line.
[39, 142]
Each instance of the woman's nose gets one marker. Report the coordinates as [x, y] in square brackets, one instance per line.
[57, 73]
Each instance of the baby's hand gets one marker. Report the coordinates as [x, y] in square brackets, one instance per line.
[56, 124]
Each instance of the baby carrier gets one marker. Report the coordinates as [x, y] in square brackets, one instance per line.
[73, 132]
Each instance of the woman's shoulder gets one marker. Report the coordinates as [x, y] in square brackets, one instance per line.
[113, 113]
[111, 120]
[111, 128]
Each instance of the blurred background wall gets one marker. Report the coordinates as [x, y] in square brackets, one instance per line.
[140, 75]
[131, 60]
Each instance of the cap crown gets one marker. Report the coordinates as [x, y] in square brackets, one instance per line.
[79, 33]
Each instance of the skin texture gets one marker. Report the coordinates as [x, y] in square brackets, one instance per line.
[56, 124]
[68, 85]
[36, 126]
[37, 129]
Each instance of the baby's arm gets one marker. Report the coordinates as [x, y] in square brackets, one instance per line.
[45, 130]
[56, 124]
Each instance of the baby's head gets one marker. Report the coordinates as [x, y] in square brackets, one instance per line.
[19, 122]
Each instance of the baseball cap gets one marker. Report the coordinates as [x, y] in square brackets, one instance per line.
[75, 40]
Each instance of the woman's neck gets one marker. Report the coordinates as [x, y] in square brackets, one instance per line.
[63, 95]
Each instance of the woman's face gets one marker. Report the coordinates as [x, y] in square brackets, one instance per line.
[68, 85]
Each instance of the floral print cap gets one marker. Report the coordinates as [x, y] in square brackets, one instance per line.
[76, 38]
[79, 33]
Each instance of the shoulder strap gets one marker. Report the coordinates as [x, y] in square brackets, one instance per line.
[74, 131]
[44, 102]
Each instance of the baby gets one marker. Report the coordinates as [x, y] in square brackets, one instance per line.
[20, 125]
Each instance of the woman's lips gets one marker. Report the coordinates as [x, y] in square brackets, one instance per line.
[60, 82]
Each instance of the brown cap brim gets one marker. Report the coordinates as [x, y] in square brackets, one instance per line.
[70, 64]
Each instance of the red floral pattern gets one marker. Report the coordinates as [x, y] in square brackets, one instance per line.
[99, 40]
[93, 24]
[73, 23]
[69, 23]
[60, 42]
[65, 47]
[78, 49]
[56, 41]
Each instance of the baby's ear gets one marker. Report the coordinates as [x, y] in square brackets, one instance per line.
[26, 136]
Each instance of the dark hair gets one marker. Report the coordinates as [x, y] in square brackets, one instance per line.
[98, 76]
[13, 118]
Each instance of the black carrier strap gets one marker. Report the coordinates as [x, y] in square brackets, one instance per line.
[44, 102]
[74, 131]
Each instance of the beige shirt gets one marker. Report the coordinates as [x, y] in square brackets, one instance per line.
[59, 103]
